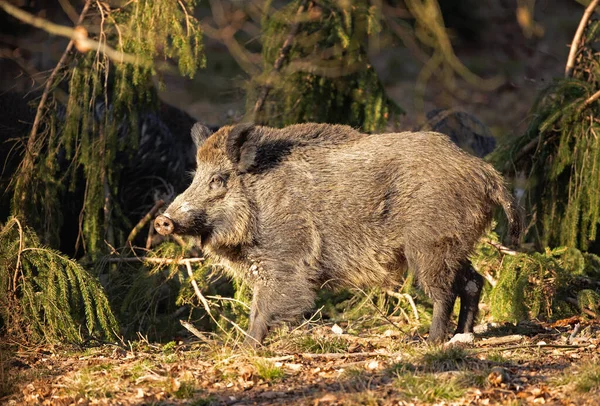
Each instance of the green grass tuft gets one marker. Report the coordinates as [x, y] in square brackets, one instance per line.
[321, 344]
[444, 359]
[428, 388]
[268, 371]
[587, 379]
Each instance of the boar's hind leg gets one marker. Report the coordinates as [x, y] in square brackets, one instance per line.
[436, 278]
[469, 284]
[275, 302]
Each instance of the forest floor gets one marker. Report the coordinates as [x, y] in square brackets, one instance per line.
[532, 363]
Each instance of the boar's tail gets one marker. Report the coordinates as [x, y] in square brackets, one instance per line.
[502, 197]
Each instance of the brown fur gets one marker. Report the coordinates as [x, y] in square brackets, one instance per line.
[316, 204]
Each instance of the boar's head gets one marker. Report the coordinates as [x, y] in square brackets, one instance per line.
[215, 206]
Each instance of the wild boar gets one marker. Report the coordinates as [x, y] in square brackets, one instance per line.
[292, 210]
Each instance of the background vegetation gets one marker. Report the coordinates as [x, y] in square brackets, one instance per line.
[78, 257]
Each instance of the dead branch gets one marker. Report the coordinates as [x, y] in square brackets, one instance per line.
[160, 203]
[574, 301]
[18, 267]
[407, 297]
[149, 238]
[154, 260]
[225, 33]
[577, 38]
[334, 355]
[283, 53]
[574, 333]
[206, 305]
[523, 346]
[591, 99]
[406, 35]
[230, 299]
[190, 327]
[492, 281]
[78, 36]
[503, 249]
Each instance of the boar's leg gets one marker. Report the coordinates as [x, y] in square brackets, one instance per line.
[442, 309]
[437, 278]
[277, 300]
[257, 325]
[469, 284]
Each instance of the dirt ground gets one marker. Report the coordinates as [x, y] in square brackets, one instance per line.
[531, 363]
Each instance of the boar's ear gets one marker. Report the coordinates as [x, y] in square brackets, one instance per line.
[200, 133]
[241, 151]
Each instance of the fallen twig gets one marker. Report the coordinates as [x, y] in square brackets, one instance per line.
[574, 333]
[577, 38]
[406, 296]
[149, 238]
[518, 347]
[189, 327]
[334, 355]
[160, 203]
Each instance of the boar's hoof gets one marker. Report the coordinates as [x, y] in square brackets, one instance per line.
[164, 225]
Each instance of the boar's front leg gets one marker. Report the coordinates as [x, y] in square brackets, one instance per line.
[281, 295]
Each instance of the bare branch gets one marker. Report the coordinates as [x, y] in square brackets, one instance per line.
[78, 35]
[591, 99]
[207, 305]
[577, 38]
[407, 297]
[226, 33]
[503, 249]
[145, 220]
[190, 327]
[155, 260]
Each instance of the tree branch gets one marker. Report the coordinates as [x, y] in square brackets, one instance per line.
[154, 260]
[577, 38]
[145, 220]
[30, 154]
[78, 36]
[283, 53]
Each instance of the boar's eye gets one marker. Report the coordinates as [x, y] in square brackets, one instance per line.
[217, 182]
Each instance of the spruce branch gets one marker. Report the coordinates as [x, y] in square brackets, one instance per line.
[30, 153]
[283, 53]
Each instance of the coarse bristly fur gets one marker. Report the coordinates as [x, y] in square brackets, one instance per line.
[292, 210]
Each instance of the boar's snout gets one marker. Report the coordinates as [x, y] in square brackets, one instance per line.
[164, 225]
